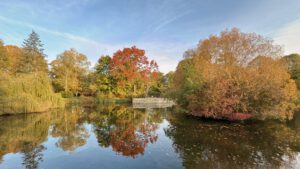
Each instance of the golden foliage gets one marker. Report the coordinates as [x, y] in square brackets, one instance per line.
[27, 93]
[68, 70]
[235, 73]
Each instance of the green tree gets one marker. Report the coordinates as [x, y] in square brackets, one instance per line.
[88, 84]
[103, 79]
[33, 58]
[185, 81]
[293, 64]
[68, 70]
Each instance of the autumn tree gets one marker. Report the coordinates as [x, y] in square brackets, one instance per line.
[23, 92]
[3, 57]
[33, 58]
[231, 76]
[68, 69]
[132, 71]
[9, 58]
[233, 47]
[14, 53]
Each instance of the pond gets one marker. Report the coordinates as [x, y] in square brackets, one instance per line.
[118, 136]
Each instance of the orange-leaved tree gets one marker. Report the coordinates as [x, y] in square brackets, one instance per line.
[133, 71]
[235, 75]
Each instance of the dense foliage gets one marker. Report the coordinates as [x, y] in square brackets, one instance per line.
[68, 71]
[132, 71]
[293, 64]
[234, 76]
[27, 93]
[228, 76]
[127, 74]
[24, 83]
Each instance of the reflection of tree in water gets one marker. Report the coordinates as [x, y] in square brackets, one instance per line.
[23, 132]
[32, 155]
[131, 141]
[218, 145]
[70, 130]
[127, 130]
[295, 123]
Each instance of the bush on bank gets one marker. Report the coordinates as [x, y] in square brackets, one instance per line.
[27, 93]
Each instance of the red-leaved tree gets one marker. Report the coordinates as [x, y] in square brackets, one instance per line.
[132, 71]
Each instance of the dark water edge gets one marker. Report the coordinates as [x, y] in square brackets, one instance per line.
[119, 136]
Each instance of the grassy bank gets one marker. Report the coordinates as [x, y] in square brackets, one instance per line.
[115, 100]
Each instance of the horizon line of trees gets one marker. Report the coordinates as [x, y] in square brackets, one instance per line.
[127, 73]
[233, 75]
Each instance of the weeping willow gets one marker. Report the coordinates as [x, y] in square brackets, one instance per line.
[27, 93]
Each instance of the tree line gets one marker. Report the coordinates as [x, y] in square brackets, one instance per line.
[233, 75]
[127, 73]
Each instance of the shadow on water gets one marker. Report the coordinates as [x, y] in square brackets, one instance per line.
[129, 132]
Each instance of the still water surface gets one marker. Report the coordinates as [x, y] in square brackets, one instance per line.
[118, 136]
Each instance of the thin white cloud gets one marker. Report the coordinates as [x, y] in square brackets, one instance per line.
[65, 35]
[289, 37]
[170, 20]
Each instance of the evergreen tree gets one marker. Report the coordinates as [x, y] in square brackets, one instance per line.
[33, 59]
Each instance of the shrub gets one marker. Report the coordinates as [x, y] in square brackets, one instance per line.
[27, 93]
[67, 94]
[154, 91]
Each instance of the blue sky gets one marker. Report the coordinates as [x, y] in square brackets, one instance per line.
[164, 28]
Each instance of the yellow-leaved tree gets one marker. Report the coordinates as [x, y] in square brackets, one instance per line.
[235, 76]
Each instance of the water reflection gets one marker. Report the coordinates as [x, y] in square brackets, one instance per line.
[127, 130]
[69, 128]
[129, 133]
[32, 156]
[221, 145]
[24, 134]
